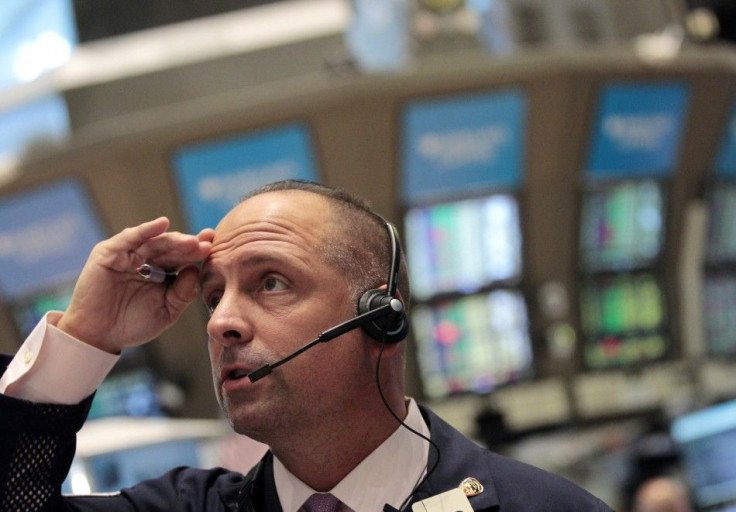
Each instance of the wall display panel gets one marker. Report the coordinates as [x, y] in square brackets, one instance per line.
[719, 314]
[721, 244]
[623, 321]
[46, 234]
[459, 145]
[214, 176]
[463, 246]
[40, 121]
[622, 226]
[637, 130]
[473, 344]
[706, 440]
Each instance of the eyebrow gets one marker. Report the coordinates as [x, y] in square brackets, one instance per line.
[252, 260]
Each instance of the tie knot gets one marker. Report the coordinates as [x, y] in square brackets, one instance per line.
[321, 502]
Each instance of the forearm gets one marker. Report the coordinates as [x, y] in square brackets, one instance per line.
[36, 451]
[45, 396]
[53, 367]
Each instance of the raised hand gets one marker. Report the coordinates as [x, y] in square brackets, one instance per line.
[112, 307]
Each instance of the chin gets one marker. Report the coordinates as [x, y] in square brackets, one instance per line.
[249, 423]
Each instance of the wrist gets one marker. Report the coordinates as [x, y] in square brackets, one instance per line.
[66, 324]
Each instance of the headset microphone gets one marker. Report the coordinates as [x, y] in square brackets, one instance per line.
[392, 307]
[380, 314]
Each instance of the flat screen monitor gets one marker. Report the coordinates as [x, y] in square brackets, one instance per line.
[132, 392]
[41, 121]
[637, 130]
[457, 145]
[707, 443]
[112, 471]
[463, 246]
[622, 226]
[46, 234]
[214, 175]
[473, 344]
[719, 314]
[623, 321]
[721, 245]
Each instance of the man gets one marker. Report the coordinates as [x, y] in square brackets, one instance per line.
[662, 494]
[288, 263]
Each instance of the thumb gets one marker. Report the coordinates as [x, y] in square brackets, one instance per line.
[182, 291]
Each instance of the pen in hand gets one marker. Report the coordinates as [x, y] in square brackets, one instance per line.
[154, 274]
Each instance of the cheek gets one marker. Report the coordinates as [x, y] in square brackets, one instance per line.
[346, 357]
[212, 351]
[288, 331]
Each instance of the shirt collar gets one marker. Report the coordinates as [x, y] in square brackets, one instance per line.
[375, 481]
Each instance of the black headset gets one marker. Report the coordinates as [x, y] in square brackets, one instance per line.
[393, 327]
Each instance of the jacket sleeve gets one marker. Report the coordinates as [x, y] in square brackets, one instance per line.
[37, 444]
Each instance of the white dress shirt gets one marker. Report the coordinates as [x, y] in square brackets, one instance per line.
[388, 475]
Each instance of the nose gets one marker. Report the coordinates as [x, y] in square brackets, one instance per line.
[227, 324]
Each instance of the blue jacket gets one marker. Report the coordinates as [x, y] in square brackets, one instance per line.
[37, 443]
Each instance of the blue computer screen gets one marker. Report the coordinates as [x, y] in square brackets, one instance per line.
[214, 175]
[46, 234]
[112, 471]
[638, 130]
[456, 145]
[707, 442]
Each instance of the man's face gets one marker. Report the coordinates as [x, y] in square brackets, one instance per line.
[270, 291]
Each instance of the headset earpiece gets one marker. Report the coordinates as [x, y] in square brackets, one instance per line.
[391, 328]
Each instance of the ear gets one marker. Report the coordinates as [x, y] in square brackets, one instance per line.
[389, 349]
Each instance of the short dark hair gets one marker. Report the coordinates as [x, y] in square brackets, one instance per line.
[359, 246]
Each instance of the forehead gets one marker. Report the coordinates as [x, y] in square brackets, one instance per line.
[296, 215]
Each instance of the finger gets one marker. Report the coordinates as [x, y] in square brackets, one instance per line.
[172, 242]
[175, 252]
[206, 235]
[183, 290]
[132, 238]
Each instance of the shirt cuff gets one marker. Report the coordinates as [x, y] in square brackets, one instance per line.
[55, 368]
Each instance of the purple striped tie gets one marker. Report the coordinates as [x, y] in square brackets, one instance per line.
[321, 502]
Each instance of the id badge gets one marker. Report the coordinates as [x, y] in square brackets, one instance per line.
[451, 501]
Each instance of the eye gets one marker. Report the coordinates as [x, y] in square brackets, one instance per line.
[273, 284]
[212, 303]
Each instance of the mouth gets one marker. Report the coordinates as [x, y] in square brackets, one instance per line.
[233, 373]
[237, 374]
